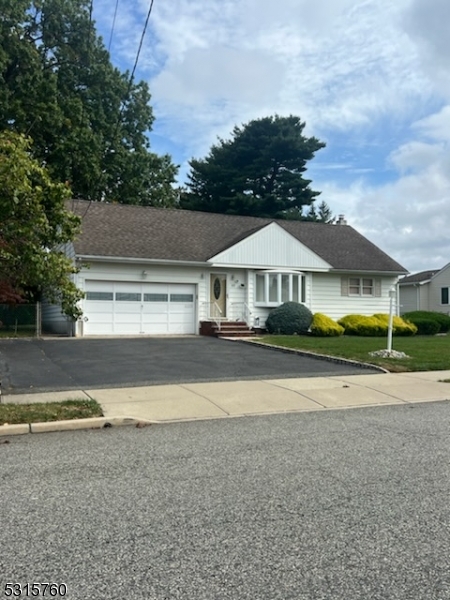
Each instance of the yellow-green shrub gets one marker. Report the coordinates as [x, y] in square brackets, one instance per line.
[325, 326]
[376, 325]
[362, 325]
[399, 326]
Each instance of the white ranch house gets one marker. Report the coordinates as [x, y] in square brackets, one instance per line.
[427, 290]
[150, 271]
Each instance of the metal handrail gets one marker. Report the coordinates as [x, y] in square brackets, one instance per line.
[216, 317]
[245, 312]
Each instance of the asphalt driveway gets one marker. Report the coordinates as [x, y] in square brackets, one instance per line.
[64, 364]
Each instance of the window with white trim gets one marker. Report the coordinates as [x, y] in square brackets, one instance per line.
[445, 295]
[360, 286]
[274, 288]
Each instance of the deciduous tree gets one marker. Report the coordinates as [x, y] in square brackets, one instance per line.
[34, 227]
[89, 122]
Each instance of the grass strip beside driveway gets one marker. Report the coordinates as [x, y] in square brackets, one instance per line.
[15, 414]
[427, 353]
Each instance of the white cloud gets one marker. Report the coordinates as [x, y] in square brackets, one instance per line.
[427, 21]
[359, 70]
[220, 74]
[409, 218]
[436, 126]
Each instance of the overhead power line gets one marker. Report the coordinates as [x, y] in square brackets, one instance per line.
[144, 31]
[113, 26]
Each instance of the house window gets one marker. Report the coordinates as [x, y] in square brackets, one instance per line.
[272, 289]
[360, 286]
[444, 295]
[260, 284]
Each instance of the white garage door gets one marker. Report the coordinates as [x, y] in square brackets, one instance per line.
[139, 308]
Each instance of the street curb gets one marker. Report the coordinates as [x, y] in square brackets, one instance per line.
[73, 425]
[19, 429]
[334, 359]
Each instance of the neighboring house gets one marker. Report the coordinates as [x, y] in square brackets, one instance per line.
[156, 271]
[428, 290]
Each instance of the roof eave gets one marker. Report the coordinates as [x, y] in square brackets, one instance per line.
[371, 271]
[137, 260]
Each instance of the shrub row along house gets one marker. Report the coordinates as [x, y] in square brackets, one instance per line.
[156, 271]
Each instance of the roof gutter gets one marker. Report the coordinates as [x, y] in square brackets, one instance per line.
[140, 261]
[362, 272]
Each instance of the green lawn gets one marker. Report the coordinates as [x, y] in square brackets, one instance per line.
[427, 353]
[49, 411]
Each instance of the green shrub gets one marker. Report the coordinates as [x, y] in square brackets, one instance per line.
[440, 318]
[325, 326]
[399, 326]
[362, 325]
[426, 326]
[289, 318]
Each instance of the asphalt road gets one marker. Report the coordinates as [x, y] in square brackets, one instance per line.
[332, 506]
[65, 364]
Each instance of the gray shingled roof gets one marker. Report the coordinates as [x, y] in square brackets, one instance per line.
[118, 230]
[419, 277]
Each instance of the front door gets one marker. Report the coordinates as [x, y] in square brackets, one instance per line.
[218, 295]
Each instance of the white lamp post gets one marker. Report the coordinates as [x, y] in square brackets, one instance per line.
[392, 294]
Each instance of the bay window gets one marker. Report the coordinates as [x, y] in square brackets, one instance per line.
[272, 288]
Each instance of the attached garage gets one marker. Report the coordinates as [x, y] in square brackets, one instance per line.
[122, 308]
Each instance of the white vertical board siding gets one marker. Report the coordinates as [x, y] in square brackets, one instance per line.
[271, 247]
[442, 279]
[326, 297]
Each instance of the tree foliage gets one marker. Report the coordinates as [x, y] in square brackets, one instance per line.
[88, 123]
[34, 226]
[322, 214]
[258, 172]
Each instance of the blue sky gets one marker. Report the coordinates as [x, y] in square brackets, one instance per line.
[371, 78]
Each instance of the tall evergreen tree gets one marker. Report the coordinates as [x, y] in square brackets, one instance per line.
[88, 124]
[258, 172]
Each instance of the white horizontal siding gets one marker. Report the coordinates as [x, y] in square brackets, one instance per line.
[326, 297]
[271, 247]
[442, 279]
[236, 293]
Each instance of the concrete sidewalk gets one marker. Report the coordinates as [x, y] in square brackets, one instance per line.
[165, 403]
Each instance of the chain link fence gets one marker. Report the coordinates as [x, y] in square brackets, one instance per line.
[20, 320]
